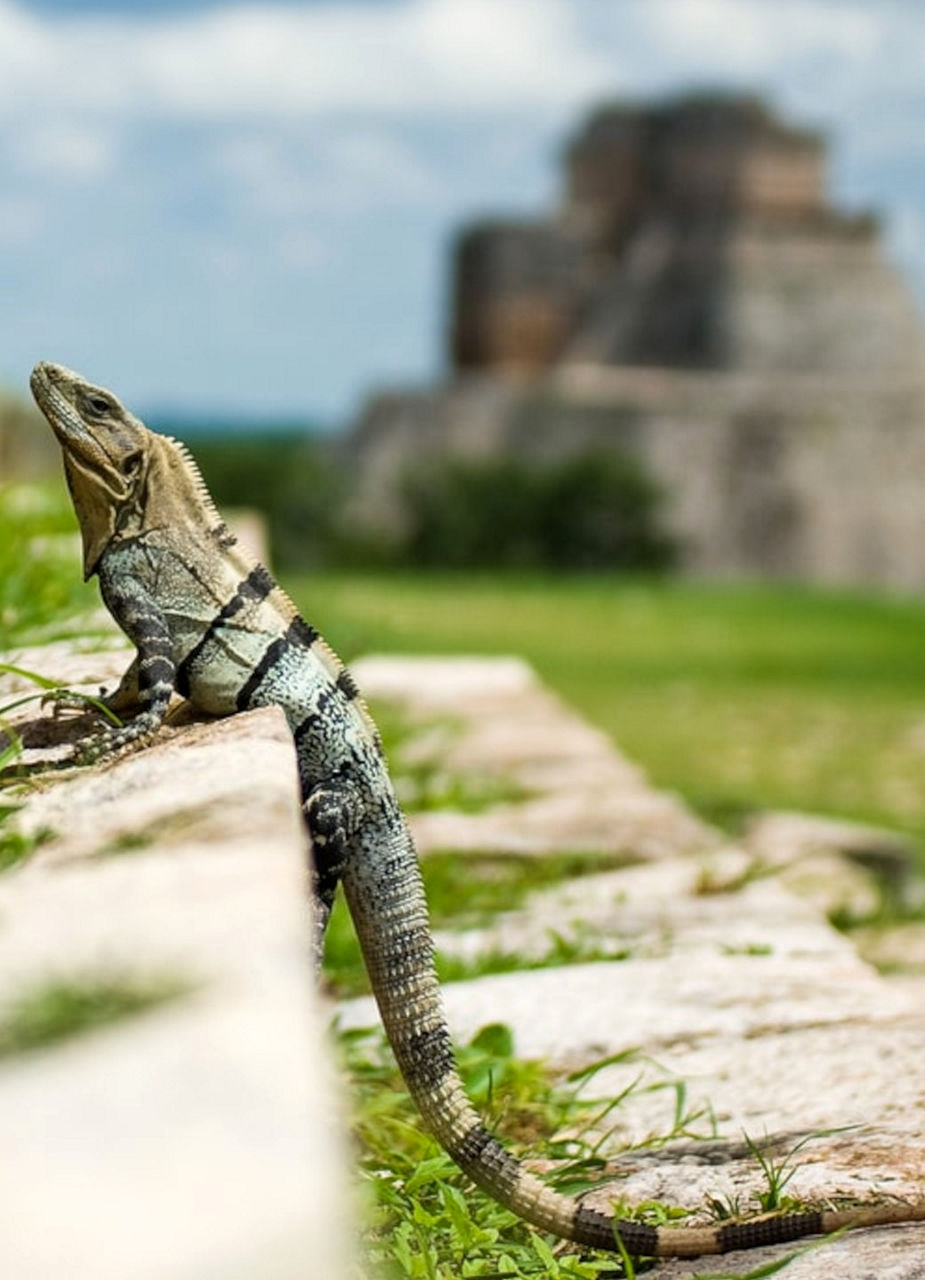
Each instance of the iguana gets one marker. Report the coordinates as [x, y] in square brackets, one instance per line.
[213, 625]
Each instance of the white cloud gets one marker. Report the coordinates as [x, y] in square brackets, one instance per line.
[379, 163]
[837, 53]
[80, 152]
[751, 36]
[348, 169]
[411, 56]
[300, 251]
[224, 261]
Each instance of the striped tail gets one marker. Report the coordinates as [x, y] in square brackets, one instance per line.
[385, 894]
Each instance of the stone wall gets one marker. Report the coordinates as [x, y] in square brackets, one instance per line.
[811, 478]
[697, 303]
[691, 154]
[708, 293]
[201, 1138]
[518, 290]
[819, 301]
[679, 224]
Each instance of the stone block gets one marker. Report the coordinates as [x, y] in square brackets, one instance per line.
[200, 1139]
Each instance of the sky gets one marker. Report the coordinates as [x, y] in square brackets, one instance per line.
[247, 208]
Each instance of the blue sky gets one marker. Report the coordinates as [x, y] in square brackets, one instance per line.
[247, 207]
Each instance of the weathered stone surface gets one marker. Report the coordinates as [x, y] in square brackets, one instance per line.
[743, 1006]
[802, 1041]
[80, 664]
[761, 474]
[890, 1253]
[195, 1140]
[172, 796]
[584, 1012]
[201, 1139]
[839, 865]
[899, 949]
[699, 905]
[583, 794]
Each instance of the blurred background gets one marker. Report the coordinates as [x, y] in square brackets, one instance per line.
[246, 208]
[611, 309]
[255, 220]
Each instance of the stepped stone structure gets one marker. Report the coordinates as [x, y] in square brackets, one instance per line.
[693, 235]
[698, 302]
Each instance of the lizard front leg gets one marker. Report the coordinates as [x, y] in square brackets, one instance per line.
[149, 680]
[126, 697]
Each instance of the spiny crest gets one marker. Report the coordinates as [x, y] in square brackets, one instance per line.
[176, 452]
[325, 654]
[337, 671]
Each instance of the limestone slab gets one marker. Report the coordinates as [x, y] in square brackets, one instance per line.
[581, 792]
[201, 1140]
[671, 905]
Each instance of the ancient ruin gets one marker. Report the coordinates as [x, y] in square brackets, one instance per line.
[698, 301]
[694, 234]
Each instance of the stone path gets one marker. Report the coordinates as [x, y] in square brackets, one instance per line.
[734, 985]
[201, 1139]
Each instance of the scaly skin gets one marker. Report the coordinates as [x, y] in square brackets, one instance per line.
[210, 623]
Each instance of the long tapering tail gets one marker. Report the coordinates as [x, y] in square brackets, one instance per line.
[385, 894]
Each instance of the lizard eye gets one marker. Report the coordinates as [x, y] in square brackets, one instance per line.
[97, 405]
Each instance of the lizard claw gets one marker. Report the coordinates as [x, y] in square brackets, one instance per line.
[91, 748]
[110, 742]
[68, 700]
[62, 700]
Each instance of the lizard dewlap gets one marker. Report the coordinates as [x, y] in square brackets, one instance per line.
[210, 623]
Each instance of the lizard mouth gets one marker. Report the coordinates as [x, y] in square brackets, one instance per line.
[46, 377]
[41, 384]
[49, 383]
[46, 383]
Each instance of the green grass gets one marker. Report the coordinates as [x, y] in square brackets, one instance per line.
[465, 890]
[57, 1010]
[16, 846]
[424, 783]
[41, 580]
[741, 698]
[423, 1219]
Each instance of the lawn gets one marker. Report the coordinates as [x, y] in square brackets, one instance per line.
[741, 698]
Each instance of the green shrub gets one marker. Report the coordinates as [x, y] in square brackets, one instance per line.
[287, 478]
[597, 509]
[594, 510]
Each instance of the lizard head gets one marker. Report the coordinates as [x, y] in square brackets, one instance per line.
[105, 453]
